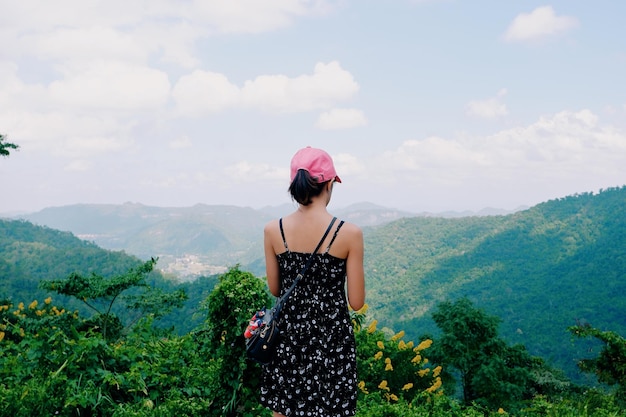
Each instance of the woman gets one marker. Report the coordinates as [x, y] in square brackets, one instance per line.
[314, 370]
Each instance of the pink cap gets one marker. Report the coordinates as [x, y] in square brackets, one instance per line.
[317, 162]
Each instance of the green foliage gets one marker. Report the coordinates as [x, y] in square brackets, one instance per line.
[610, 365]
[29, 254]
[391, 368]
[54, 362]
[539, 270]
[229, 307]
[95, 290]
[491, 373]
[5, 146]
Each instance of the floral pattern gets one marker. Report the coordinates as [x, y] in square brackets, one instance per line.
[314, 370]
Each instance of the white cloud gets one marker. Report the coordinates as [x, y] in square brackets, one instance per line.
[181, 142]
[252, 16]
[568, 146]
[112, 85]
[348, 165]
[63, 135]
[136, 29]
[78, 165]
[205, 92]
[245, 171]
[328, 84]
[341, 119]
[489, 108]
[86, 44]
[540, 23]
[79, 146]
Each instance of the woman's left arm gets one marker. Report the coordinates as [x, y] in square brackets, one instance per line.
[271, 263]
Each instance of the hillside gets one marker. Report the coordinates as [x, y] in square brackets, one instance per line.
[30, 253]
[539, 270]
[189, 241]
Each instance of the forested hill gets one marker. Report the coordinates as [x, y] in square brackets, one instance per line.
[539, 270]
[30, 253]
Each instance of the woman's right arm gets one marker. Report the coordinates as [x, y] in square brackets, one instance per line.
[354, 269]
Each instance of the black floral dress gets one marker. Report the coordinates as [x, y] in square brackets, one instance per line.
[314, 370]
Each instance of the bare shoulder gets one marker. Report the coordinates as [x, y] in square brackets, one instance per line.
[271, 227]
[352, 230]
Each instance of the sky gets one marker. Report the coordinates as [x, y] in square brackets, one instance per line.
[425, 106]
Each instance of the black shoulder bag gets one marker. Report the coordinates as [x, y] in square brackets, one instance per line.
[261, 345]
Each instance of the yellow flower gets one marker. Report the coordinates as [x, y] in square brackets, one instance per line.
[48, 300]
[409, 345]
[372, 327]
[402, 345]
[416, 359]
[20, 306]
[380, 345]
[398, 335]
[362, 387]
[1, 336]
[383, 385]
[393, 397]
[33, 305]
[407, 387]
[39, 312]
[388, 365]
[423, 372]
[501, 410]
[425, 344]
[437, 371]
[363, 309]
[22, 332]
[378, 355]
[435, 386]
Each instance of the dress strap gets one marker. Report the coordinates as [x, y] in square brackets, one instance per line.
[282, 233]
[334, 236]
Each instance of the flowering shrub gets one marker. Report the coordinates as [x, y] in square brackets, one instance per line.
[392, 367]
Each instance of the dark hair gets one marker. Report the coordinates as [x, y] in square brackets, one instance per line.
[304, 187]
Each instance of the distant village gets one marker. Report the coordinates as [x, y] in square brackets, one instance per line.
[187, 267]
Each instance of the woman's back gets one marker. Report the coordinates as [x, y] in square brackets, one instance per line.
[313, 372]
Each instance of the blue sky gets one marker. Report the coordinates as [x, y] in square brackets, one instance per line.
[424, 105]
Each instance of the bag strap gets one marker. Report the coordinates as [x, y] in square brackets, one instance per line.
[281, 300]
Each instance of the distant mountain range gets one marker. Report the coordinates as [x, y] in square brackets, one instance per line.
[197, 240]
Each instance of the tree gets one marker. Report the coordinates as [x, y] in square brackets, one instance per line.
[5, 146]
[100, 294]
[491, 373]
[610, 365]
[231, 304]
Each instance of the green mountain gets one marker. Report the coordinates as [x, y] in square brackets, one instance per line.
[540, 270]
[189, 241]
[30, 253]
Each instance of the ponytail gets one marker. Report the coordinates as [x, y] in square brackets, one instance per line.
[304, 187]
